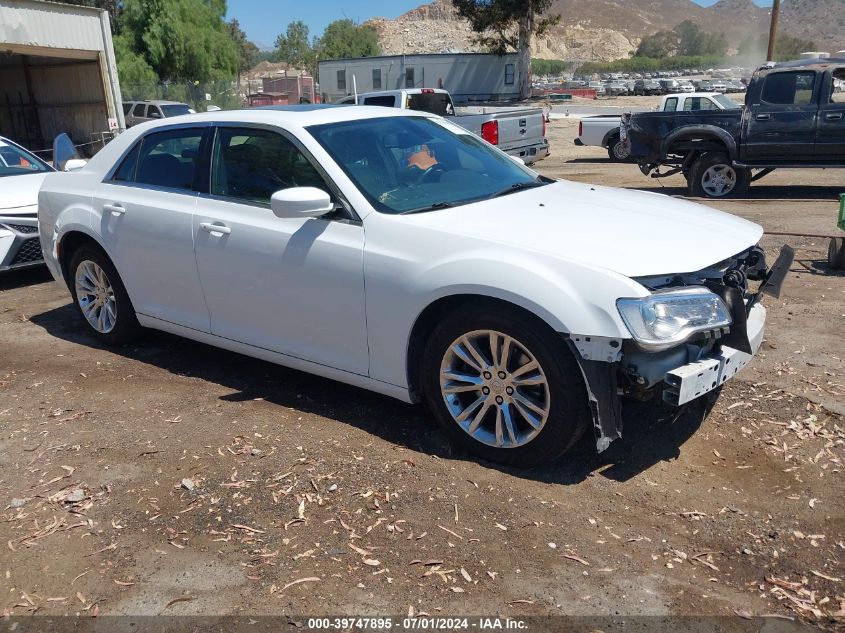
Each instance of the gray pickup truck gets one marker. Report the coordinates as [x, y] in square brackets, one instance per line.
[520, 132]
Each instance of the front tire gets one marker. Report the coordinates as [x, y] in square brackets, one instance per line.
[836, 253]
[714, 176]
[504, 386]
[101, 297]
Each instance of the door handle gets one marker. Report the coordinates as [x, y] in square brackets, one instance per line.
[210, 227]
[114, 209]
[763, 117]
[834, 116]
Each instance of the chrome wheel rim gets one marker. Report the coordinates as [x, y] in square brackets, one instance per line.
[718, 180]
[95, 296]
[494, 389]
[621, 150]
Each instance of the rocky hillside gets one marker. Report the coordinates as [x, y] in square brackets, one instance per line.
[610, 29]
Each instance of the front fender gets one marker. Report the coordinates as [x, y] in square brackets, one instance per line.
[570, 298]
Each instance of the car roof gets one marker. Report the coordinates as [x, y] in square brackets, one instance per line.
[293, 115]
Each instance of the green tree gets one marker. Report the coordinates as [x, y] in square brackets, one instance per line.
[292, 46]
[247, 51]
[135, 74]
[786, 47]
[344, 38]
[182, 39]
[660, 44]
[693, 40]
[504, 25]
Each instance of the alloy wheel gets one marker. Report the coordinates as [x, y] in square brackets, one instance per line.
[95, 296]
[495, 389]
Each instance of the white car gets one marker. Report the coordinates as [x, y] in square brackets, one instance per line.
[398, 252]
[21, 175]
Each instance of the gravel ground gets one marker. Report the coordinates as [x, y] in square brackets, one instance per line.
[169, 477]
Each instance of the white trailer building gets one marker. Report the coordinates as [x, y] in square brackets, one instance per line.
[57, 73]
[468, 76]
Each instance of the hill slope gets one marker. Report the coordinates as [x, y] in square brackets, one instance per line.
[610, 29]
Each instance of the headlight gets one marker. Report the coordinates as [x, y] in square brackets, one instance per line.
[665, 319]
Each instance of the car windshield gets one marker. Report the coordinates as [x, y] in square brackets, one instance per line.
[726, 102]
[175, 109]
[15, 161]
[411, 164]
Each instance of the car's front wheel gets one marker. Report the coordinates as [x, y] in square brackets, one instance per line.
[504, 386]
[102, 299]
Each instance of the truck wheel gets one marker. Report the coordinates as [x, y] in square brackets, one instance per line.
[503, 386]
[618, 151]
[836, 253]
[713, 176]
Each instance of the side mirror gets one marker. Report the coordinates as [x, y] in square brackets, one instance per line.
[75, 164]
[154, 115]
[63, 151]
[301, 202]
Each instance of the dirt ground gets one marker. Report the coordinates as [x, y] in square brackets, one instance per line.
[169, 477]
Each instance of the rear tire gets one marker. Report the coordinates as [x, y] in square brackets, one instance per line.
[714, 176]
[504, 386]
[617, 151]
[101, 297]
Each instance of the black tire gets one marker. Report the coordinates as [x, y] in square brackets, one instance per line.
[836, 253]
[700, 177]
[617, 151]
[568, 413]
[125, 324]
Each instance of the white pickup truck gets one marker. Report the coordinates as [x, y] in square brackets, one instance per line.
[520, 132]
[603, 130]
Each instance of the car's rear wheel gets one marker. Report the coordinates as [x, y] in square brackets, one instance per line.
[504, 386]
[101, 297]
[617, 151]
[714, 176]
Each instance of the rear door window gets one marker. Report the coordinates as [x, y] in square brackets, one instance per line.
[671, 104]
[139, 110]
[169, 159]
[789, 88]
[382, 100]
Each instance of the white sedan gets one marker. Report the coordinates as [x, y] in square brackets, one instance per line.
[21, 175]
[396, 251]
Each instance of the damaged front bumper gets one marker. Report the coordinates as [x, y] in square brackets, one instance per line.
[683, 373]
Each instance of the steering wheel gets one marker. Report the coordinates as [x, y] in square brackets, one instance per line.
[428, 174]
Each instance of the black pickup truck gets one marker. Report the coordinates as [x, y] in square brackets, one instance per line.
[794, 117]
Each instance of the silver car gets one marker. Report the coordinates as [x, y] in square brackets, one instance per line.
[136, 112]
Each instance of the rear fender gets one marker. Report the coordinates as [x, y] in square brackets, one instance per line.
[703, 132]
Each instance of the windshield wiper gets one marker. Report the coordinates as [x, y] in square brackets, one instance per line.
[433, 207]
[518, 186]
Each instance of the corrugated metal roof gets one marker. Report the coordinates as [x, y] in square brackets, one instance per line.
[50, 25]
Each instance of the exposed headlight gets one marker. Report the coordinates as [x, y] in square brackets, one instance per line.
[666, 319]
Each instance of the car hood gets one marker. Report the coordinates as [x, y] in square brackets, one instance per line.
[19, 191]
[633, 233]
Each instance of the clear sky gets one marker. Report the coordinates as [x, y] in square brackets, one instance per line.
[263, 20]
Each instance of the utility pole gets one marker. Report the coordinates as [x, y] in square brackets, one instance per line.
[773, 30]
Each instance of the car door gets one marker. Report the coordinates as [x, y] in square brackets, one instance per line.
[830, 137]
[289, 285]
[146, 208]
[781, 126]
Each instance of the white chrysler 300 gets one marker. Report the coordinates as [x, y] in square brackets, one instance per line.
[397, 252]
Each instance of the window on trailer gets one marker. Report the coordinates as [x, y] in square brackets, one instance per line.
[409, 77]
[376, 78]
[341, 80]
[509, 74]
